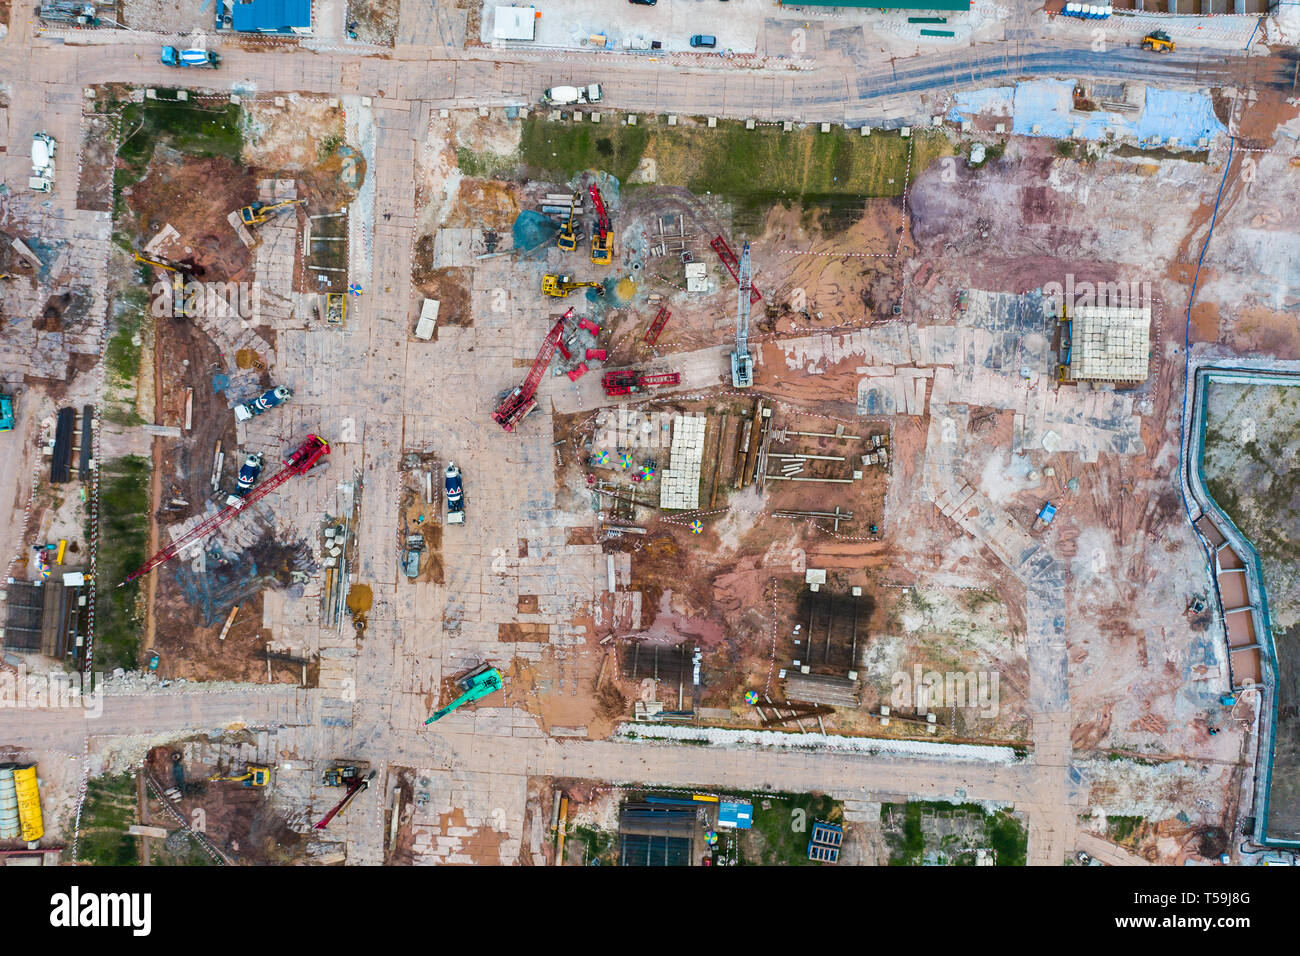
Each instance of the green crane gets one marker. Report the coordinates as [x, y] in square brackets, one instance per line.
[476, 685]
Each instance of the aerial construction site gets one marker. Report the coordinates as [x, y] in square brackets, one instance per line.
[469, 433]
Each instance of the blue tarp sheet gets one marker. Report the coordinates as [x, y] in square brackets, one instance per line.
[1044, 108]
[277, 16]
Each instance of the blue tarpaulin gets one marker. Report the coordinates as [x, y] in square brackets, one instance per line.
[272, 16]
[1045, 108]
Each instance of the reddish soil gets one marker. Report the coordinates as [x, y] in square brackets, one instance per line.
[195, 195]
[238, 819]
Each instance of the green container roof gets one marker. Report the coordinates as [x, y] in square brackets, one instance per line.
[960, 5]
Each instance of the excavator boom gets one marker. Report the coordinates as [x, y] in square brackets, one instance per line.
[488, 682]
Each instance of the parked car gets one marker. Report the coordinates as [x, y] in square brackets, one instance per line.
[644, 3]
[705, 41]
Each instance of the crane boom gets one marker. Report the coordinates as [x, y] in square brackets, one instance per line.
[304, 459]
[355, 786]
[601, 242]
[742, 363]
[521, 401]
[719, 245]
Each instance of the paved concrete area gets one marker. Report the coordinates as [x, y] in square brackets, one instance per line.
[384, 394]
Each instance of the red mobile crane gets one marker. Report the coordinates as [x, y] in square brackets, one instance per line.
[355, 785]
[625, 381]
[602, 243]
[307, 455]
[519, 402]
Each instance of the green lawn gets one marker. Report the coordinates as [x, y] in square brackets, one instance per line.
[753, 169]
[997, 830]
[123, 543]
[129, 330]
[109, 809]
[185, 126]
[780, 834]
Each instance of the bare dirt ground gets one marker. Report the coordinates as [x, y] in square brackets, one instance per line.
[239, 820]
[373, 22]
[95, 186]
[194, 196]
[303, 140]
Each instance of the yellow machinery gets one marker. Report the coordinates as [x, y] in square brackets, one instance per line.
[254, 775]
[179, 275]
[561, 286]
[1158, 42]
[29, 803]
[339, 776]
[602, 236]
[568, 241]
[336, 308]
[260, 212]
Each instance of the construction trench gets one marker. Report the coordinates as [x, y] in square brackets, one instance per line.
[618, 452]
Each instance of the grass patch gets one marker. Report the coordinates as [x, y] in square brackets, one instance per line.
[780, 834]
[972, 601]
[1122, 829]
[1010, 840]
[184, 126]
[565, 150]
[484, 165]
[131, 330]
[972, 828]
[122, 354]
[829, 173]
[109, 809]
[597, 845]
[124, 540]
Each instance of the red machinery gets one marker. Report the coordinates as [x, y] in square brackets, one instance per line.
[355, 785]
[578, 371]
[729, 260]
[589, 325]
[303, 460]
[657, 326]
[519, 402]
[602, 243]
[596, 355]
[625, 381]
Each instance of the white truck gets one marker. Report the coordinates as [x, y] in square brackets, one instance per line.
[455, 494]
[572, 95]
[43, 149]
[264, 402]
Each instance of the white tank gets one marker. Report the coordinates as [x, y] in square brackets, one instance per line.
[9, 829]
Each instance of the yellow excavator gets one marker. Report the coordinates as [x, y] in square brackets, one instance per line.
[561, 286]
[260, 212]
[1158, 42]
[254, 775]
[180, 274]
[568, 241]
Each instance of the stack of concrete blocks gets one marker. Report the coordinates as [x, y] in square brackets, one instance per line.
[680, 485]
